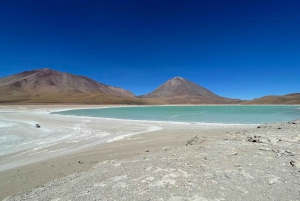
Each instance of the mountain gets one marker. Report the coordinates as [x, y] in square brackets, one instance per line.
[50, 86]
[46, 85]
[181, 91]
[285, 99]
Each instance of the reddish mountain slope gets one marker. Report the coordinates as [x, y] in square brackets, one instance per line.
[46, 85]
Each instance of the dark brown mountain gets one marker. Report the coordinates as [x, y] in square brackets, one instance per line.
[181, 91]
[285, 99]
[46, 85]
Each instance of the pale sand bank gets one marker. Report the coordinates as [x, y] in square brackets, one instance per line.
[125, 171]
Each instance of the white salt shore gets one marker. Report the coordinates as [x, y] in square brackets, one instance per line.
[22, 143]
[68, 158]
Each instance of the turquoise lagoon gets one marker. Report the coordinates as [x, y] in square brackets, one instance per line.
[196, 114]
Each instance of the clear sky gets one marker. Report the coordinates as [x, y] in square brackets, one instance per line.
[235, 48]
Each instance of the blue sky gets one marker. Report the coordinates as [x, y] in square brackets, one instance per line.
[237, 49]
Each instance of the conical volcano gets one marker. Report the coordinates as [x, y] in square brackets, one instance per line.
[182, 91]
[179, 86]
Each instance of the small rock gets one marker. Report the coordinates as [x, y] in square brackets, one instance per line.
[166, 148]
[295, 163]
[265, 149]
[192, 141]
[264, 141]
[272, 181]
[254, 138]
[146, 150]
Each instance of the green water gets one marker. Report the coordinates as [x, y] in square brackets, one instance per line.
[201, 114]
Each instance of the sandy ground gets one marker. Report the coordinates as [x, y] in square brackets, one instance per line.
[229, 162]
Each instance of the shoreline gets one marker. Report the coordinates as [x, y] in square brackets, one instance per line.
[42, 117]
[165, 121]
[44, 114]
[172, 136]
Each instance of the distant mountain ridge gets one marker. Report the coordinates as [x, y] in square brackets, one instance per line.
[50, 86]
[36, 84]
[293, 98]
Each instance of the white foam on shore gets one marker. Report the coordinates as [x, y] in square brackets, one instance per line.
[151, 129]
[154, 121]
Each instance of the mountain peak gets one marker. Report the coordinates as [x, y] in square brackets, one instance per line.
[178, 78]
[44, 69]
[179, 86]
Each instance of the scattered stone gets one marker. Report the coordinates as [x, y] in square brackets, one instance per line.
[265, 149]
[166, 148]
[258, 126]
[282, 152]
[255, 138]
[264, 141]
[273, 181]
[295, 163]
[37, 126]
[214, 170]
[192, 141]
